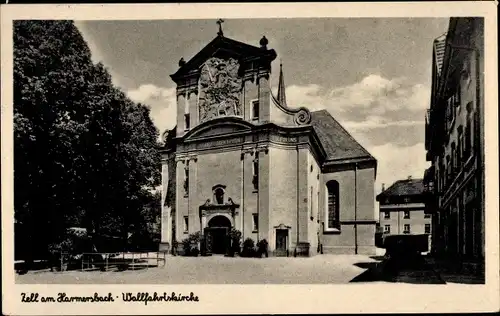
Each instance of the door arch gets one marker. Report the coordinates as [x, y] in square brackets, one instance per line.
[218, 233]
[219, 221]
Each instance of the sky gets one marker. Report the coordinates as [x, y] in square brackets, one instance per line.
[372, 74]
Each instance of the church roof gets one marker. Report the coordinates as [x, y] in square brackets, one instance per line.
[406, 187]
[337, 142]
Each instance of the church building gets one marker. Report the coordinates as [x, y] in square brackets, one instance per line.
[240, 157]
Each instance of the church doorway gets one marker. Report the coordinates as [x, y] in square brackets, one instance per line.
[281, 243]
[217, 234]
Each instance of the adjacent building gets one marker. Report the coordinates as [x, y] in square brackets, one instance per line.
[454, 140]
[402, 209]
[240, 157]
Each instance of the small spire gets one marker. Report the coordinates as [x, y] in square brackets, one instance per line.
[281, 87]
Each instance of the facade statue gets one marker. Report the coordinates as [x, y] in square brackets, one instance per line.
[219, 89]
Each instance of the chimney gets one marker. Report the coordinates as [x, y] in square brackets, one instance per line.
[383, 187]
[409, 177]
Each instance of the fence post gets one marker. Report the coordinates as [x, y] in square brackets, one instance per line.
[61, 261]
[107, 256]
[133, 261]
[83, 255]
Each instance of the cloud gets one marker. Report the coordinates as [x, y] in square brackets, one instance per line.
[385, 115]
[395, 163]
[162, 102]
[372, 122]
[150, 92]
[372, 96]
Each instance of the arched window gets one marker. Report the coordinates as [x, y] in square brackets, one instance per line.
[333, 206]
[219, 195]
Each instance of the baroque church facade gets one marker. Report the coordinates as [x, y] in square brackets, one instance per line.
[240, 157]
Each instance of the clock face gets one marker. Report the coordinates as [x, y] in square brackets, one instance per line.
[219, 89]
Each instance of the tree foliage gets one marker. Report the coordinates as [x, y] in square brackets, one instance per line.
[84, 153]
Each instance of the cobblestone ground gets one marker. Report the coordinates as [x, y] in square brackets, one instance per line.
[321, 269]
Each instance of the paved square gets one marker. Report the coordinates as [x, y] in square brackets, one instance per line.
[320, 269]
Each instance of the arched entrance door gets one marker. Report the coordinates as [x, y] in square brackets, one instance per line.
[218, 230]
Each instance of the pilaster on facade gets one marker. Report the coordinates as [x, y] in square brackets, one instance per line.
[187, 88]
[186, 158]
[263, 194]
[194, 220]
[262, 148]
[247, 151]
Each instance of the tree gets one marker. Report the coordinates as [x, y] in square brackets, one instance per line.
[51, 74]
[84, 154]
[145, 233]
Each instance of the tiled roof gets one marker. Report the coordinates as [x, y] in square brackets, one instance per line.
[439, 47]
[404, 188]
[336, 141]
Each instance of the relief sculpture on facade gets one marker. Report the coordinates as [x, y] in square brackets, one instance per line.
[219, 89]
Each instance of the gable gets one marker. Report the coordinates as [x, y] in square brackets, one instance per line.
[223, 47]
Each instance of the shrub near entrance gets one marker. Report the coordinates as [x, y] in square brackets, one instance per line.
[248, 248]
[235, 248]
[190, 245]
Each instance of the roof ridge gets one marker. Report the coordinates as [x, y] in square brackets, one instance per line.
[411, 186]
[239, 42]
